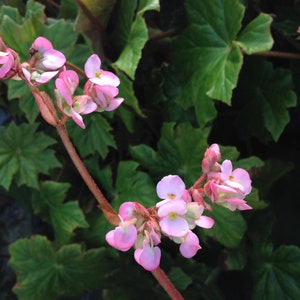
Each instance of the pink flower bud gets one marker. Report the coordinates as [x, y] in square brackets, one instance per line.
[9, 62]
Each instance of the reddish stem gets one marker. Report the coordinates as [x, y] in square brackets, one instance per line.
[166, 283]
[199, 181]
[104, 205]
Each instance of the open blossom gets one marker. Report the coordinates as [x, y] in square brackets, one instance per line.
[44, 62]
[72, 106]
[105, 96]
[98, 76]
[9, 61]
[170, 187]
[172, 221]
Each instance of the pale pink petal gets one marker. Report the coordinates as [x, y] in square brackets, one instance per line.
[46, 76]
[226, 169]
[122, 238]
[92, 66]
[239, 203]
[242, 176]
[205, 222]
[106, 78]
[173, 206]
[77, 118]
[114, 104]
[148, 257]
[41, 44]
[63, 90]
[170, 187]
[53, 59]
[174, 226]
[190, 245]
[127, 210]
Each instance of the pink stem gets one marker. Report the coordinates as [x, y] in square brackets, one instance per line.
[111, 216]
[166, 283]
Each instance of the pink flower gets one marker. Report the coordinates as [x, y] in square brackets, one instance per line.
[104, 96]
[9, 61]
[122, 237]
[170, 187]
[69, 105]
[97, 75]
[172, 221]
[238, 179]
[148, 257]
[189, 245]
[44, 63]
[228, 197]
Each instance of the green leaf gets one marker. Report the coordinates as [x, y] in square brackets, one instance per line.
[180, 279]
[133, 185]
[19, 34]
[145, 5]
[46, 273]
[18, 90]
[256, 37]
[276, 273]
[132, 53]
[100, 9]
[209, 66]
[174, 155]
[266, 96]
[95, 138]
[48, 202]
[68, 9]
[227, 233]
[24, 154]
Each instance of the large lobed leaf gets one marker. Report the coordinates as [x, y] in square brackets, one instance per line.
[276, 273]
[44, 272]
[64, 217]
[207, 55]
[95, 138]
[266, 94]
[132, 34]
[24, 154]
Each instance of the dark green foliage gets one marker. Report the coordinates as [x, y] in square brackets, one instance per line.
[190, 76]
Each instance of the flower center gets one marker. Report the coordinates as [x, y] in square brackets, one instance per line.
[171, 196]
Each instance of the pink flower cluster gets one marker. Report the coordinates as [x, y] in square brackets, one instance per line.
[99, 91]
[45, 63]
[225, 186]
[180, 210]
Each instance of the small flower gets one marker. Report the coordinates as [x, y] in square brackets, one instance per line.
[172, 221]
[98, 76]
[238, 179]
[9, 62]
[189, 245]
[104, 96]
[43, 64]
[122, 237]
[148, 257]
[72, 106]
[170, 187]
